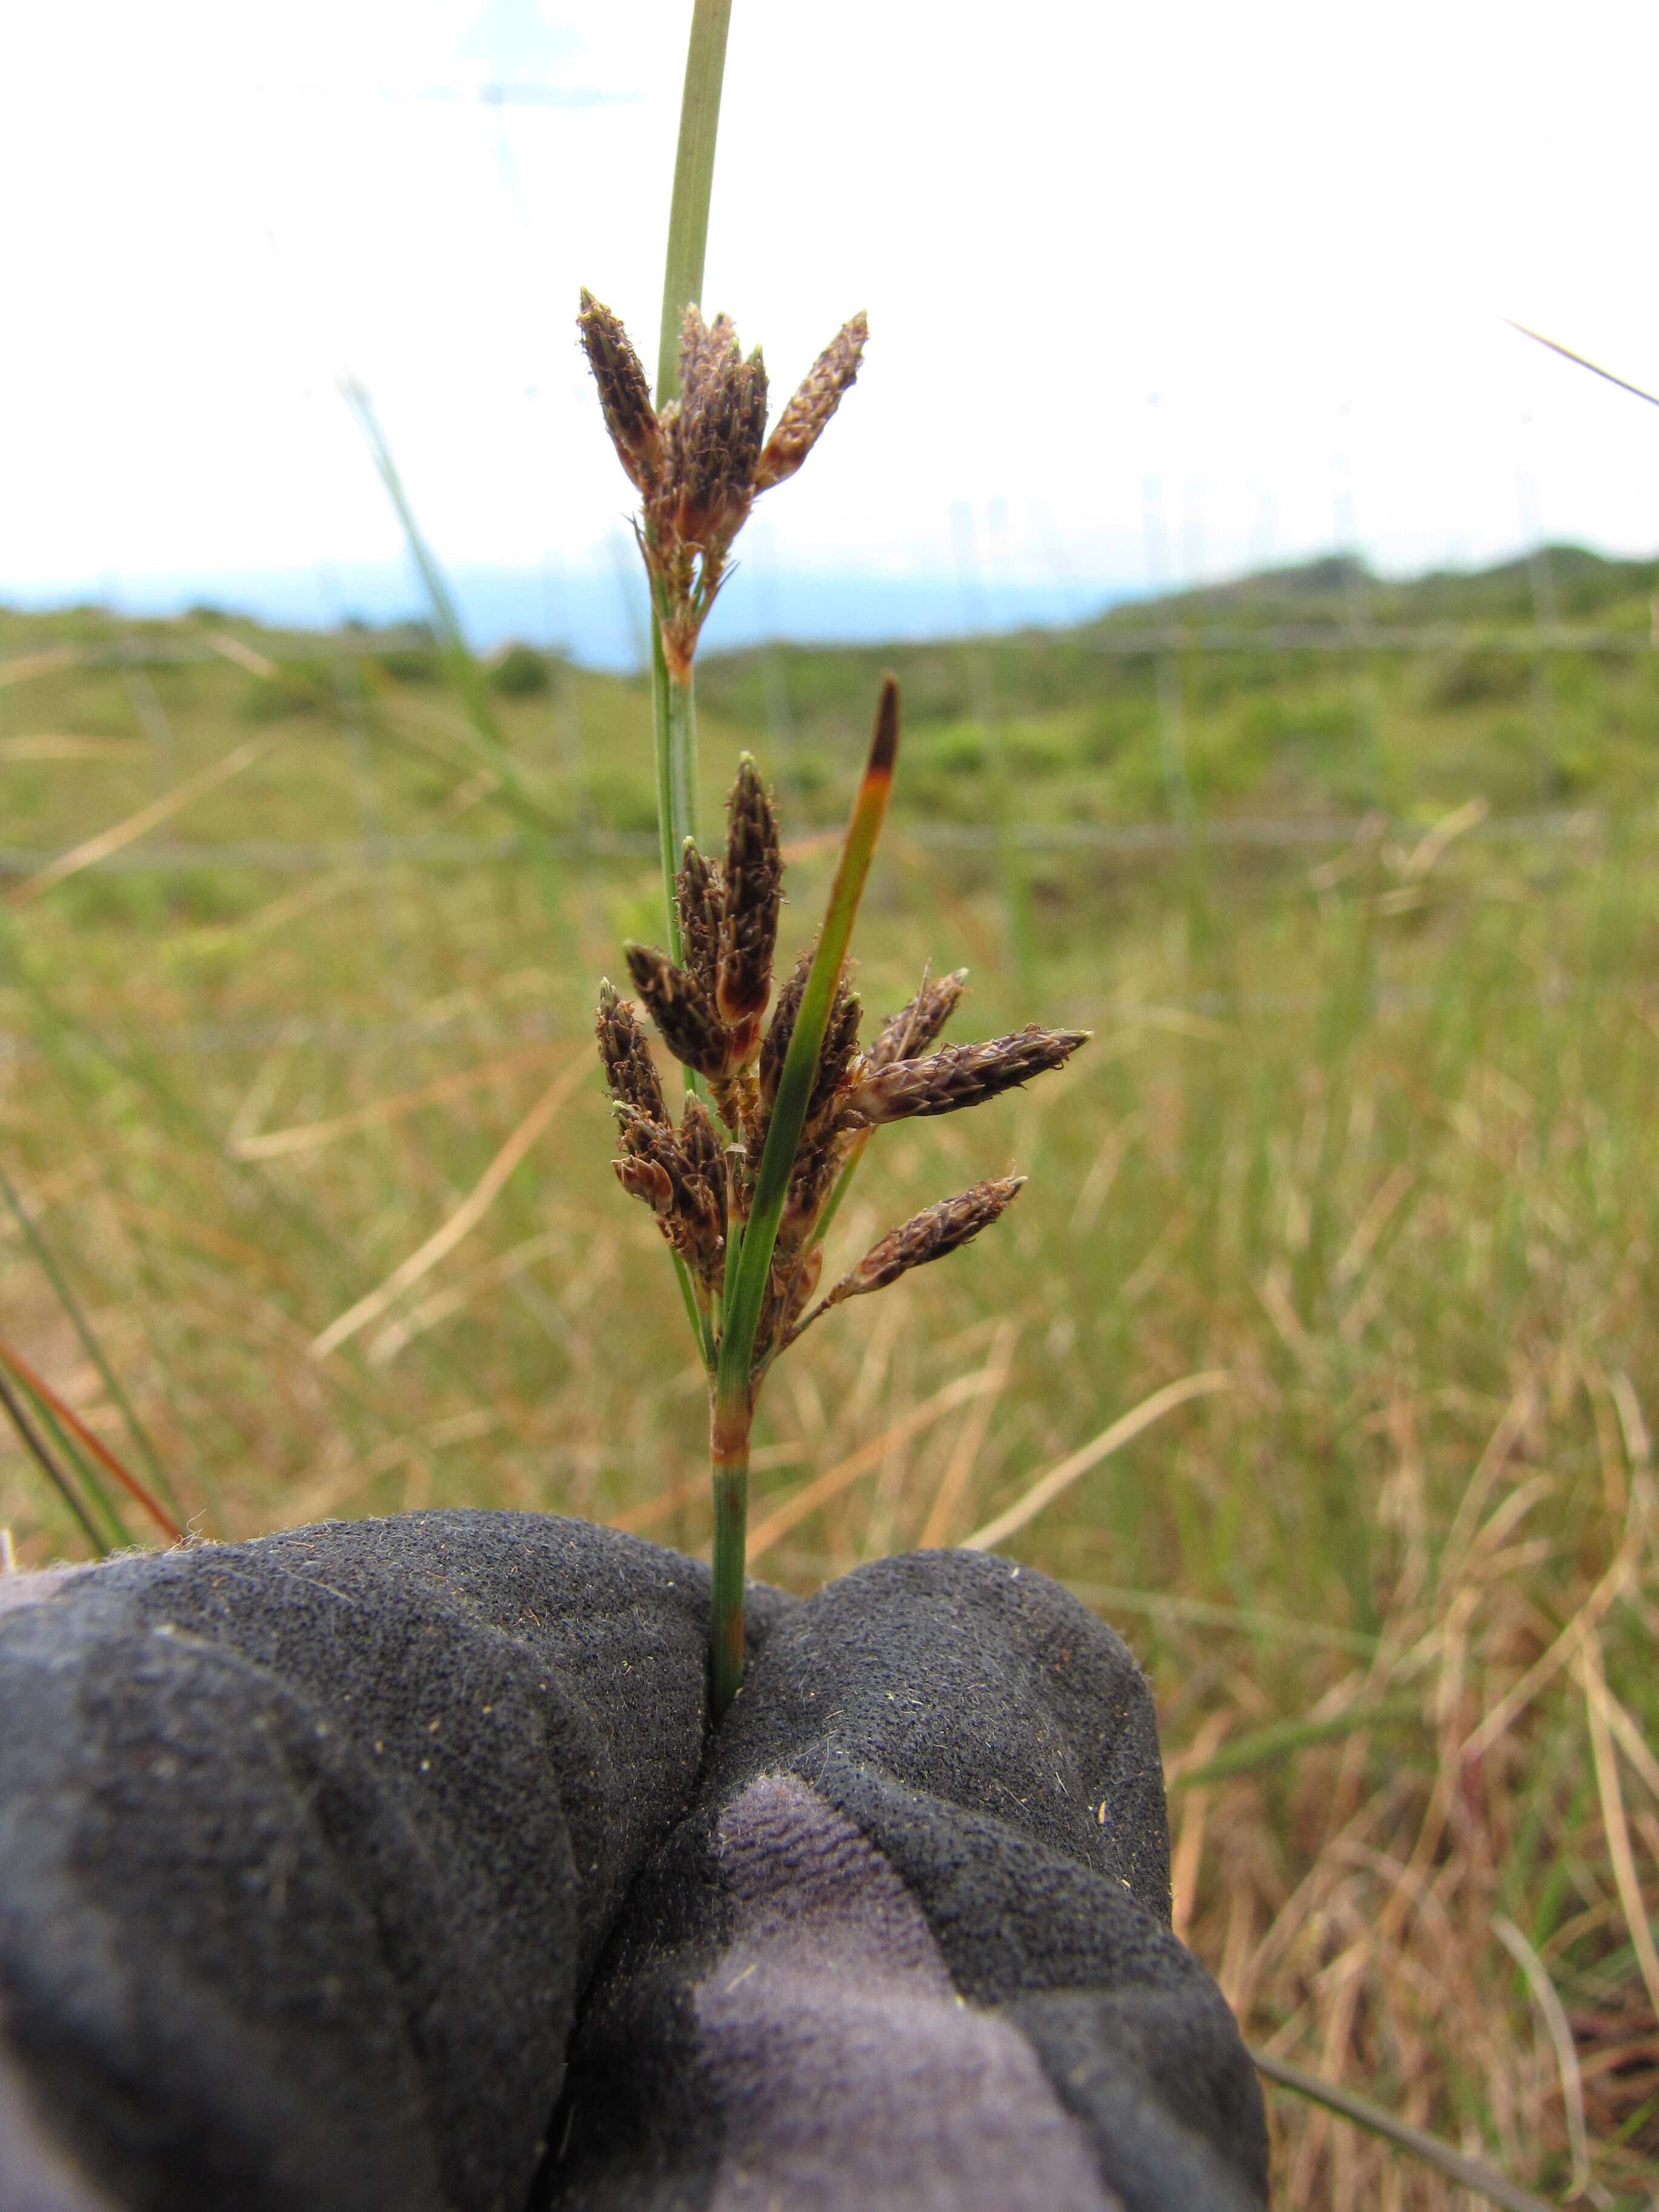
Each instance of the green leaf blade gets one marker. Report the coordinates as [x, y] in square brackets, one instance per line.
[800, 1063]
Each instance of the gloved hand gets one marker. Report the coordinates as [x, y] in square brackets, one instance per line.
[910, 1945]
[310, 1848]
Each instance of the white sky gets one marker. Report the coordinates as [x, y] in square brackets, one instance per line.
[1253, 257]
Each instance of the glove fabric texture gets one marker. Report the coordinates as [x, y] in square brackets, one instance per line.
[394, 1866]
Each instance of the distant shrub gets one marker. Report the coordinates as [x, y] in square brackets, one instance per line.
[412, 664]
[1473, 679]
[521, 671]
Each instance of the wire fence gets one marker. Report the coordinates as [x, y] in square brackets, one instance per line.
[1581, 826]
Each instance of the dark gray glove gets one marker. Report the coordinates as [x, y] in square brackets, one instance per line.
[310, 1847]
[941, 1783]
[307, 1847]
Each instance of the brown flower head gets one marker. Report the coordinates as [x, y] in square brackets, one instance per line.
[732, 1171]
[625, 394]
[958, 1076]
[700, 461]
[723, 420]
[775, 1046]
[630, 1070]
[840, 1040]
[754, 890]
[802, 422]
[684, 1013]
[700, 896]
[682, 1179]
[939, 1230]
[916, 1025]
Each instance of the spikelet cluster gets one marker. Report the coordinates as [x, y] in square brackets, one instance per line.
[700, 462]
[699, 1178]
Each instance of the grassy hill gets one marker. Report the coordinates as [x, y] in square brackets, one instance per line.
[1354, 881]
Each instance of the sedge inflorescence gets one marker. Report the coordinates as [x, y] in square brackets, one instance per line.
[700, 462]
[698, 1174]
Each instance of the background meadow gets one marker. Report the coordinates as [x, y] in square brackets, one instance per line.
[1354, 884]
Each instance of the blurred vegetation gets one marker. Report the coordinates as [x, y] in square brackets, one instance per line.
[1355, 882]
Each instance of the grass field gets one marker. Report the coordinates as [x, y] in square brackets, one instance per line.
[1358, 887]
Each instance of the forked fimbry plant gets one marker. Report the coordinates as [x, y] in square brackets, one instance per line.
[744, 1185]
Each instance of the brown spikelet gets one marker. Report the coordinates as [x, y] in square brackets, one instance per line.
[681, 1178]
[754, 890]
[840, 1037]
[659, 502]
[684, 1013]
[699, 895]
[928, 1236]
[701, 348]
[722, 409]
[650, 1167]
[629, 1070]
[646, 1178]
[913, 1029]
[958, 1076]
[700, 441]
[700, 1143]
[624, 392]
[810, 1184]
[802, 422]
[775, 1048]
[749, 428]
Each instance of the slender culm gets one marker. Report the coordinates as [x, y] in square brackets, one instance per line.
[743, 1190]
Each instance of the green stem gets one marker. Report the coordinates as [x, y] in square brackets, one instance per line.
[702, 1327]
[674, 708]
[674, 712]
[694, 181]
[728, 1452]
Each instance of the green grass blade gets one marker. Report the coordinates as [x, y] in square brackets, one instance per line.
[1468, 2172]
[694, 180]
[89, 1344]
[88, 1453]
[40, 1453]
[467, 675]
[801, 1064]
[67, 1451]
[1266, 1746]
